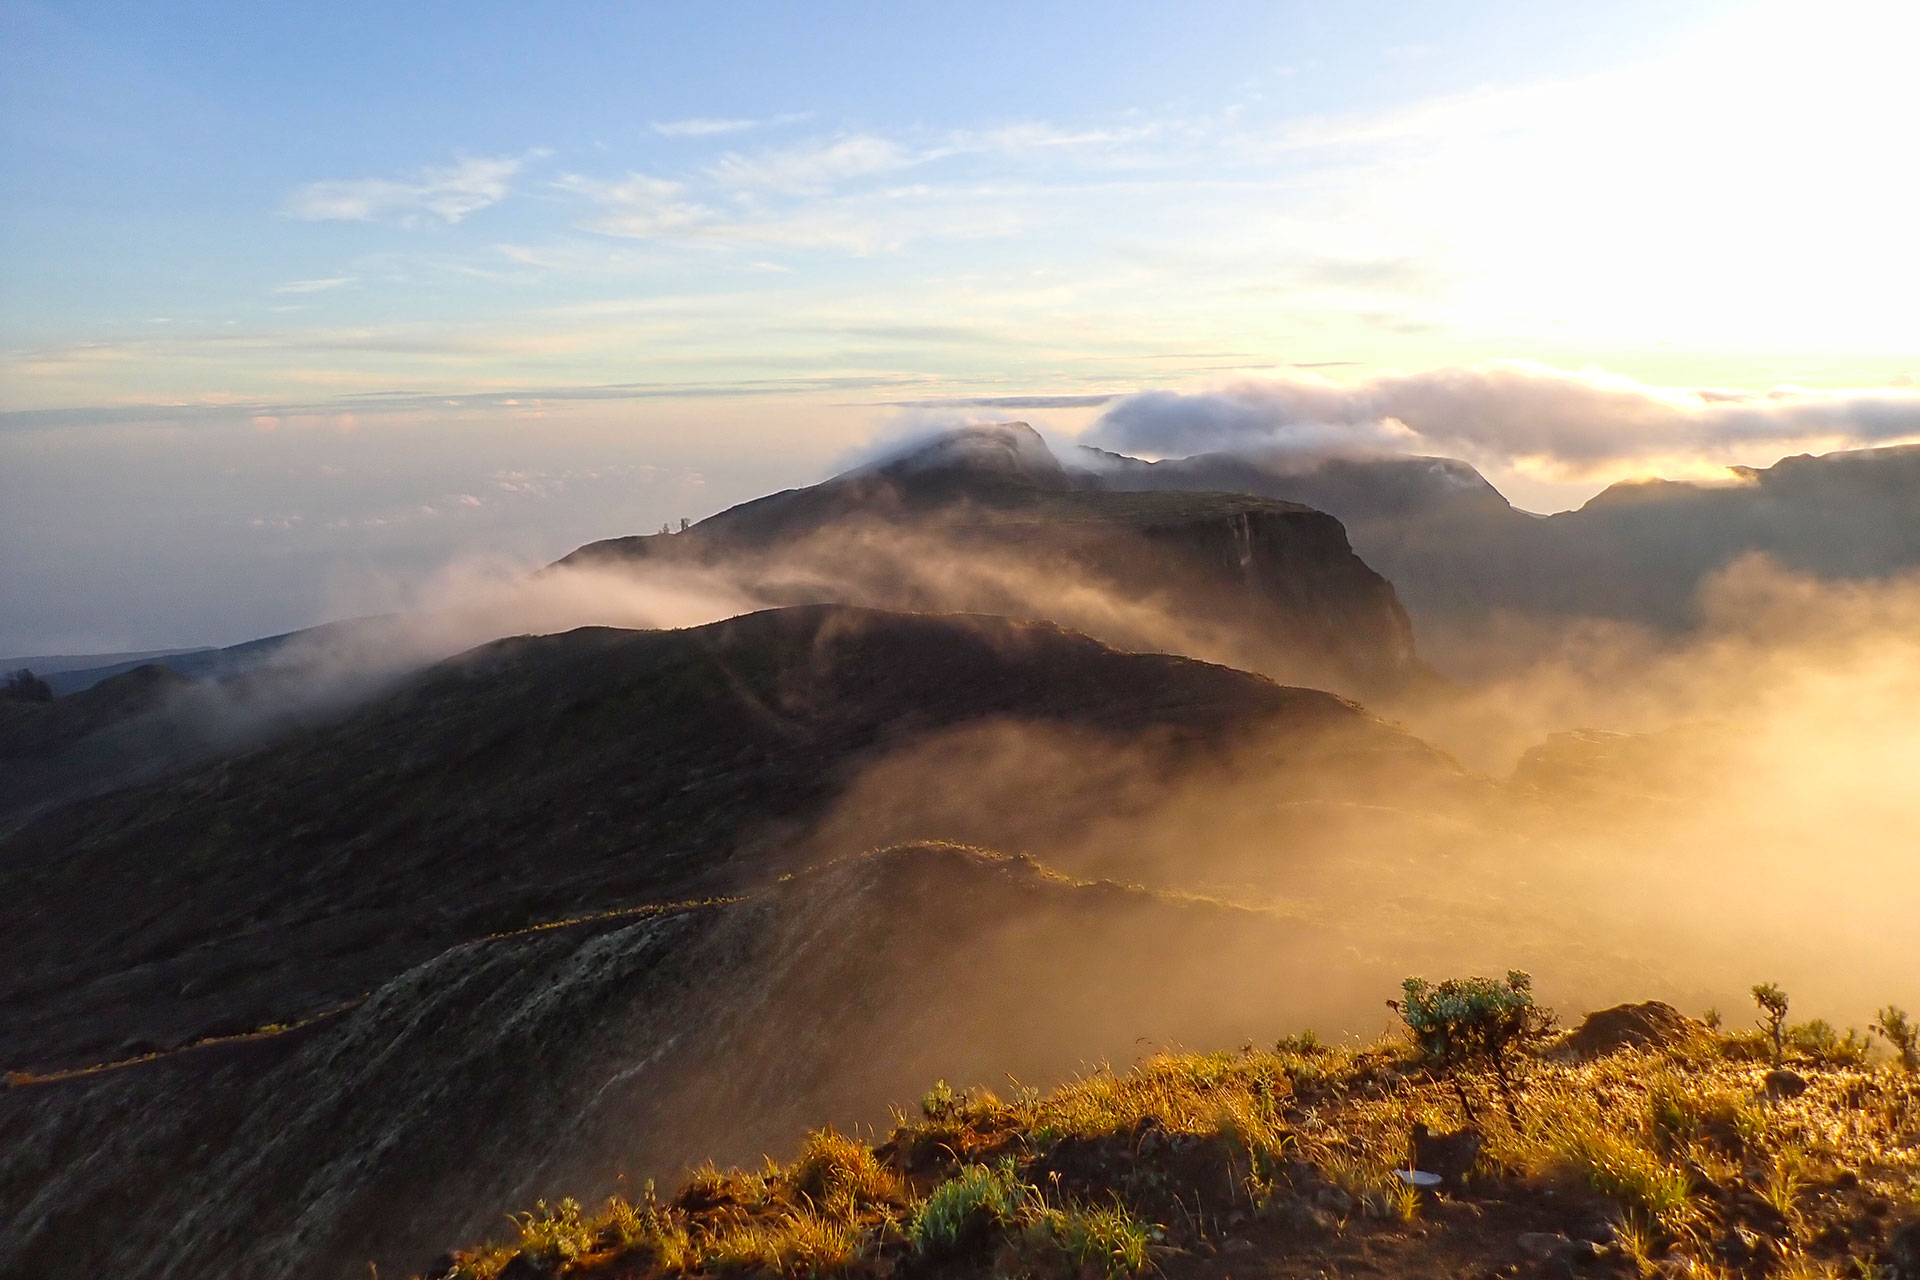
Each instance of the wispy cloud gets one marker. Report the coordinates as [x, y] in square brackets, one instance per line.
[701, 127]
[447, 193]
[709, 126]
[816, 166]
[314, 286]
[640, 206]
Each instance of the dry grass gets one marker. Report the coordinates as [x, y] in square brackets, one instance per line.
[1681, 1148]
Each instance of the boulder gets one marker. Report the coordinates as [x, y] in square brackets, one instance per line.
[1652, 1024]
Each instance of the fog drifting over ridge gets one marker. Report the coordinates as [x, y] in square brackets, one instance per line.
[1509, 413]
[248, 522]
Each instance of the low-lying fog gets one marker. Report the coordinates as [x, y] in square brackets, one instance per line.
[1762, 827]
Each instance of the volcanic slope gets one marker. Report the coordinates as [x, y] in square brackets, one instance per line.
[542, 778]
[985, 519]
[547, 1062]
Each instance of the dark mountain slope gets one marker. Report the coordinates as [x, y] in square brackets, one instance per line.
[540, 778]
[1271, 585]
[115, 730]
[541, 1064]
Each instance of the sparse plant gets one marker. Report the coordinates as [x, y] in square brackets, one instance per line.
[555, 1234]
[1464, 1022]
[838, 1174]
[1893, 1025]
[1713, 1019]
[961, 1210]
[942, 1102]
[1306, 1043]
[1106, 1238]
[1403, 1200]
[1773, 1016]
[1783, 1185]
[1819, 1041]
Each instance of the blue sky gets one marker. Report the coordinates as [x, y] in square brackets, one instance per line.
[299, 297]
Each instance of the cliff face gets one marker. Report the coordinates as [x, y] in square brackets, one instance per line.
[1456, 550]
[1295, 572]
[986, 520]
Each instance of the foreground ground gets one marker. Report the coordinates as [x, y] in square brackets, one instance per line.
[1644, 1145]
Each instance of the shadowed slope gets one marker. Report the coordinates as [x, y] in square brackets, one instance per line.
[540, 778]
[541, 1064]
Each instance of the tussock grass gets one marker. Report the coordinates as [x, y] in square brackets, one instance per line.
[1679, 1148]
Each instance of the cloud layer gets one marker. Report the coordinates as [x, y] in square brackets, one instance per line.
[1511, 413]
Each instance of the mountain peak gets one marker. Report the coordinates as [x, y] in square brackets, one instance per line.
[997, 449]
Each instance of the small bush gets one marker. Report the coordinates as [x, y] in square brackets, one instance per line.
[963, 1209]
[1773, 1016]
[942, 1102]
[1820, 1042]
[1463, 1022]
[24, 686]
[1893, 1025]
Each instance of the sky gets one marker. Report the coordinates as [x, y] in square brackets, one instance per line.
[302, 304]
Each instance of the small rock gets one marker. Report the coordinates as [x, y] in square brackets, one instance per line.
[1902, 1254]
[1600, 1232]
[1544, 1245]
[1309, 1217]
[1334, 1200]
[1451, 1155]
[1785, 1083]
[1834, 1239]
[1237, 1244]
[1300, 1173]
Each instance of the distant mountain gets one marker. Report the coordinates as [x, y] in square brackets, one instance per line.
[73, 674]
[84, 669]
[110, 733]
[1456, 550]
[987, 520]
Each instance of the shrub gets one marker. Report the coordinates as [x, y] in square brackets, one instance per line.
[961, 1210]
[942, 1102]
[1820, 1042]
[1463, 1022]
[1893, 1024]
[1773, 1016]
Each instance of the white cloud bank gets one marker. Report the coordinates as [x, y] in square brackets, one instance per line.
[1505, 413]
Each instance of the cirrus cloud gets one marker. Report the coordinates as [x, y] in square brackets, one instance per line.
[447, 193]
